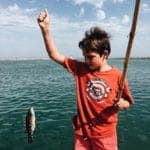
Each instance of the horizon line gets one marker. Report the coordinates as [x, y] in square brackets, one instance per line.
[47, 58]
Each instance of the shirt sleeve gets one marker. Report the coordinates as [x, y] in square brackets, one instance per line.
[127, 93]
[76, 67]
[71, 65]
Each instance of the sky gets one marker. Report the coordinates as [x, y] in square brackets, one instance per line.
[21, 38]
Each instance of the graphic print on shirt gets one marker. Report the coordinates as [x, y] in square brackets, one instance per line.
[97, 89]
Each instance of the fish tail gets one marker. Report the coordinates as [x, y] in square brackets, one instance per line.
[30, 139]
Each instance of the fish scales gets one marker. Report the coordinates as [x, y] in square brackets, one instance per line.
[30, 124]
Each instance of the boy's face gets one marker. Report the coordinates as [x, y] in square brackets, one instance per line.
[93, 60]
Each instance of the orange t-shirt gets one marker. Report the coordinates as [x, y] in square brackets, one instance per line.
[96, 116]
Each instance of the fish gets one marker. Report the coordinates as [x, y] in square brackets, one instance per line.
[30, 124]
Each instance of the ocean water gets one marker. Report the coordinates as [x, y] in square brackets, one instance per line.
[48, 87]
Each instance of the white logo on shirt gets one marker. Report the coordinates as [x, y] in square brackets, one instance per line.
[97, 89]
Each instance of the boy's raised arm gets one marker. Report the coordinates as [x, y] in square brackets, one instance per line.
[44, 23]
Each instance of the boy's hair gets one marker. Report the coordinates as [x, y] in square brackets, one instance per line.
[97, 40]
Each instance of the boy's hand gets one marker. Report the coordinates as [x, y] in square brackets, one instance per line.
[121, 104]
[43, 19]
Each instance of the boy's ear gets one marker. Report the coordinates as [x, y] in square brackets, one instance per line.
[106, 54]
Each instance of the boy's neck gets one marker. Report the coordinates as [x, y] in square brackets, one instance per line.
[105, 67]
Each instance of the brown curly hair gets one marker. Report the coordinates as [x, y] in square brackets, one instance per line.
[97, 40]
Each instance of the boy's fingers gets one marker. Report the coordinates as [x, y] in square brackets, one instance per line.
[116, 104]
[46, 11]
[42, 16]
[115, 100]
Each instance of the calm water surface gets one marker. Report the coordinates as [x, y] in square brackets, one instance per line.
[50, 90]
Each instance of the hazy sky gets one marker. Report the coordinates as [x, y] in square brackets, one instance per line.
[20, 36]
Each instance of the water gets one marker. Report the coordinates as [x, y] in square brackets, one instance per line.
[49, 89]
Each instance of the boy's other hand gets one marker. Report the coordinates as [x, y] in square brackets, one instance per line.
[121, 104]
[43, 19]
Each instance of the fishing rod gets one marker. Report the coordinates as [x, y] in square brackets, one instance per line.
[129, 47]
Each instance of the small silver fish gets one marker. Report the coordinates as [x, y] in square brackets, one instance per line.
[30, 124]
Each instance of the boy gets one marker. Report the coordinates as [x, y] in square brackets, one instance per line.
[97, 85]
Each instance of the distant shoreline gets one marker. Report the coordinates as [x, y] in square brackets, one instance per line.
[131, 58]
[26, 59]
